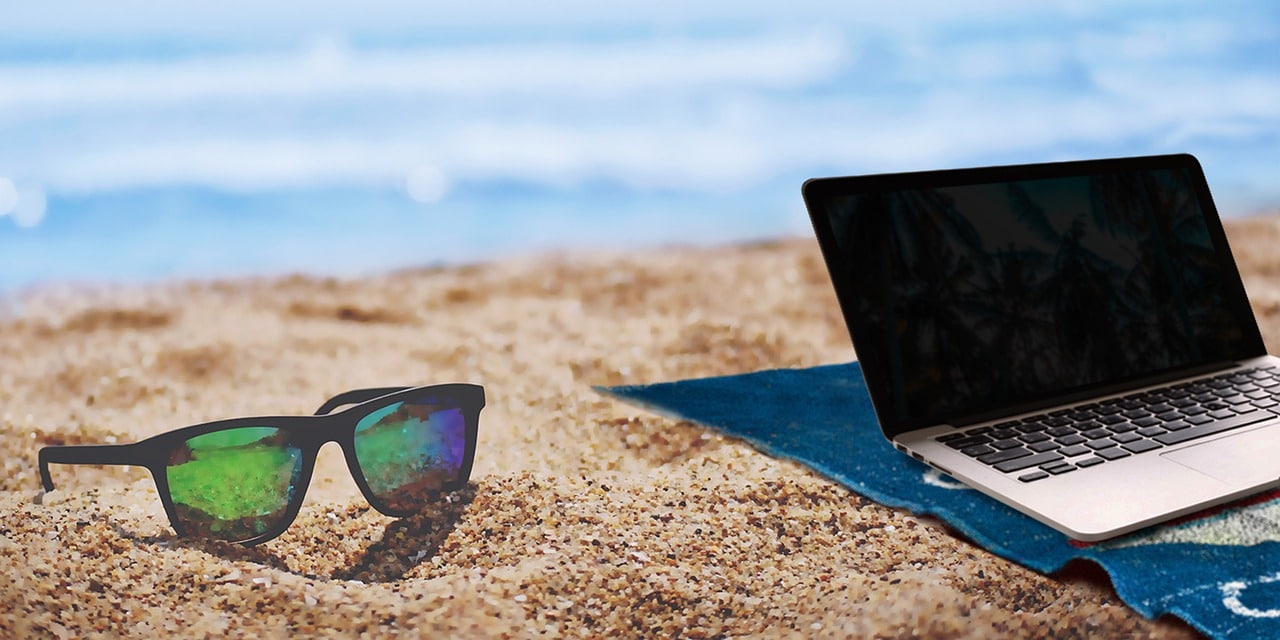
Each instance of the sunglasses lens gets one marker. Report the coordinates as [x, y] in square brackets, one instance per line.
[233, 484]
[409, 451]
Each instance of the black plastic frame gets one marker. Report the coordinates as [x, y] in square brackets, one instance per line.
[308, 433]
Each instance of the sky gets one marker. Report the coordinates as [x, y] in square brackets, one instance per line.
[212, 139]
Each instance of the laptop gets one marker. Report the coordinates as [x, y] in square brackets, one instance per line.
[1070, 338]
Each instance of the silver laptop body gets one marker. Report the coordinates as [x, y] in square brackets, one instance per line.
[1072, 339]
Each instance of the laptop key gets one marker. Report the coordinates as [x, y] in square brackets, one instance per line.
[1032, 477]
[1027, 462]
[968, 441]
[1199, 431]
[1067, 441]
[1141, 446]
[977, 450]
[1005, 444]
[1061, 469]
[1089, 462]
[1075, 450]
[1100, 443]
[1114, 453]
[1151, 431]
[1130, 437]
[1042, 446]
[1001, 456]
[1033, 437]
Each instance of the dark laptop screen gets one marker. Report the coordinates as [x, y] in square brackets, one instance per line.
[968, 298]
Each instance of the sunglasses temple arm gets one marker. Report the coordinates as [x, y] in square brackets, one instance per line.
[122, 454]
[355, 397]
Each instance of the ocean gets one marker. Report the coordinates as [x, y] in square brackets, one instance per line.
[143, 141]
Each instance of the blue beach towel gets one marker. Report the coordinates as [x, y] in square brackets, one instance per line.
[1219, 570]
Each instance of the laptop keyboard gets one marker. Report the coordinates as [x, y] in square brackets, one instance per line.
[1049, 444]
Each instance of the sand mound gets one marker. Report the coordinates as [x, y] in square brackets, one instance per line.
[585, 517]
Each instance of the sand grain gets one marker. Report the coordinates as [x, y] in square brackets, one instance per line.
[585, 518]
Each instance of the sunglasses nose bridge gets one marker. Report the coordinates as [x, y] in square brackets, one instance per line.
[321, 430]
[333, 428]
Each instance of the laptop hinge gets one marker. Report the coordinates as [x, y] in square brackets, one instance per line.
[1092, 392]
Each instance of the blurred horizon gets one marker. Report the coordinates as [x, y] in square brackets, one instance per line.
[149, 141]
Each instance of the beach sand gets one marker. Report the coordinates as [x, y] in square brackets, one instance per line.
[585, 516]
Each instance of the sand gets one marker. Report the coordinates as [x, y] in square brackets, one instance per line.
[585, 517]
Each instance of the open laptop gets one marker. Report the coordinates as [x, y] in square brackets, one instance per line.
[1071, 338]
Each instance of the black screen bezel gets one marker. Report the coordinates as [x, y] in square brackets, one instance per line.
[818, 193]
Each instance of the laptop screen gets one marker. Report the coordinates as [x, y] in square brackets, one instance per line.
[973, 291]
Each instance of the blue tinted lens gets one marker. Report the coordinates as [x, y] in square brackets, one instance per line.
[409, 451]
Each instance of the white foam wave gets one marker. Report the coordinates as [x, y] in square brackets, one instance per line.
[328, 68]
[815, 89]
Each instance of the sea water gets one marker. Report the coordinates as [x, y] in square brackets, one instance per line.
[151, 141]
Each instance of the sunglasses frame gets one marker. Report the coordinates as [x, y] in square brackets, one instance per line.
[307, 433]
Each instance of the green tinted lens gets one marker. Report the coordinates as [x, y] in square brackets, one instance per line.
[233, 484]
[409, 451]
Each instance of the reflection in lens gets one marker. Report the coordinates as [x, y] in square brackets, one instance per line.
[408, 452]
[233, 484]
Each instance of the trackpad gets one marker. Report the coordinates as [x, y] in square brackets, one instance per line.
[1251, 457]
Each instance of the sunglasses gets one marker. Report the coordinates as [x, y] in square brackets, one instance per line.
[243, 480]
